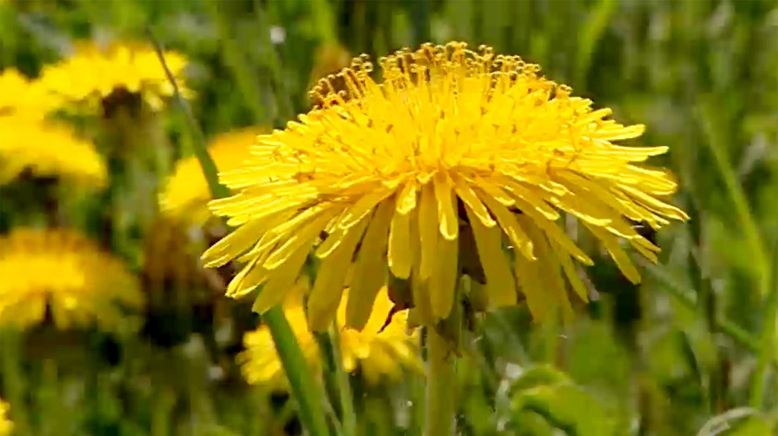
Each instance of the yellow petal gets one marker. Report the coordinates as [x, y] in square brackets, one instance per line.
[443, 282]
[331, 279]
[494, 192]
[510, 226]
[447, 213]
[302, 237]
[500, 283]
[586, 210]
[246, 281]
[280, 281]
[617, 254]
[570, 272]
[557, 234]
[233, 244]
[531, 285]
[467, 195]
[363, 206]
[548, 266]
[419, 285]
[406, 198]
[625, 132]
[428, 231]
[400, 256]
[529, 200]
[655, 204]
[332, 241]
[370, 268]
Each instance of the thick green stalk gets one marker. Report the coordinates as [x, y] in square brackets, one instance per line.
[441, 382]
[336, 381]
[304, 387]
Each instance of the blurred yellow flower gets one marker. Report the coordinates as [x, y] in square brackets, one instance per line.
[378, 351]
[63, 274]
[5, 423]
[21, 97]
[93, 73]
[47, 149]
[186, 193]
[381, 178]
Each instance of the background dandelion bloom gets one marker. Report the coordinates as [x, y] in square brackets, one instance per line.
[62, 269]
[381, 178]
[185, 196]
[95, 72]
[47, 149]
[26, 98]
[5, 424]
[378, 351]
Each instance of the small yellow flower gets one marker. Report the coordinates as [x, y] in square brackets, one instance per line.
[378, 351]
[5, 423]
[47, 149]
[94, 73]
[21, 97]
[381, 178]
[65, 274]
[186, 193]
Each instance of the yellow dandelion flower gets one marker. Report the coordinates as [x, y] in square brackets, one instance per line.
[94, 73]
[47, 149]
[186, 193]
[22, 97]
[378, 351]
[5, 423]
[381, 178]
[63, 274]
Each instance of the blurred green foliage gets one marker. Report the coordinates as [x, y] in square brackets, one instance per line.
[671, 356]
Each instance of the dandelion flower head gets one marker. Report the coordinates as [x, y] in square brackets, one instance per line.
[22, 97]
[5, 424]
[47, 149]
[385, 178]
[379, 351]
[96, 72]
[64, 274]
[186, 192]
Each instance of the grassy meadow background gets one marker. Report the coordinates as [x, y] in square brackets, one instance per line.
[692, 349]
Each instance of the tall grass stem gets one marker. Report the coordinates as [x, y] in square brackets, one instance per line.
[304, 388]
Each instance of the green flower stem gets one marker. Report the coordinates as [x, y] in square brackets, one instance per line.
[303, 385]
[346, 396]
[13, 379]
[336, 382]
[441, 382]
[305, 390]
